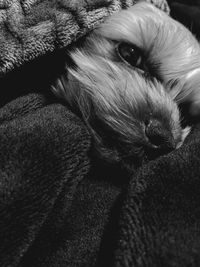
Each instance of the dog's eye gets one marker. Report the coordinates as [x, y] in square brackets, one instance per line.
[131, 54]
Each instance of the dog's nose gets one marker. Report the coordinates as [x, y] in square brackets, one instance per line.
[159, 136]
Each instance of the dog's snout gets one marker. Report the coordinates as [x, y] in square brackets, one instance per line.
[159, 136]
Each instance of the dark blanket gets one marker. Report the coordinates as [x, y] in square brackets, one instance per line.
[61, 206]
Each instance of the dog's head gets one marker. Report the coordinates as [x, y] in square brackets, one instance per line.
[128, 77]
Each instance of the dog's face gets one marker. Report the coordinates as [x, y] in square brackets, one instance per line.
[129, 77]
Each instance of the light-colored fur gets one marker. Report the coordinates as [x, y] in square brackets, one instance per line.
[105, 88]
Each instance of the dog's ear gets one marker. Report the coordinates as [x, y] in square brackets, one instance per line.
[186, 92]
[161, 4]
[69, 90]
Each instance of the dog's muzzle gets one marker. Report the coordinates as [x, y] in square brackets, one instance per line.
[160, 139]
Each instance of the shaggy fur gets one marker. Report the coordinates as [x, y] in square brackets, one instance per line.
[125, 107]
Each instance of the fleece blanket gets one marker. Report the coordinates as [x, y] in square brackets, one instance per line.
[59, 204]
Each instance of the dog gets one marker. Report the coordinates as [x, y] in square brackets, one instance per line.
[127, 79]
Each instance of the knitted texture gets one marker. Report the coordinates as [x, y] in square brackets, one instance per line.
[32, 28]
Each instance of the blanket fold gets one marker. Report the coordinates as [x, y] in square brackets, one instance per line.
[43, 152]
[161, 216]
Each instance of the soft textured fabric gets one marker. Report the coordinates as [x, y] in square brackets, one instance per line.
[32, 28]
[43, 157]
[59, 204]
